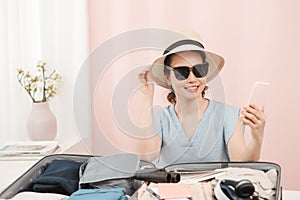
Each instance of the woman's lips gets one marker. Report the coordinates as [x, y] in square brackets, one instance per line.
[192, 88]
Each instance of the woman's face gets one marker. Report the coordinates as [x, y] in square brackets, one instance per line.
[192, 87]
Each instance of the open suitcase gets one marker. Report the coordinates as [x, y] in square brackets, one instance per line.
[23, 181]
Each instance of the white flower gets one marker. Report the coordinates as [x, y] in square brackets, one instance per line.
[41, 87]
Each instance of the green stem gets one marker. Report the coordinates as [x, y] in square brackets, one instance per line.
[20, 81]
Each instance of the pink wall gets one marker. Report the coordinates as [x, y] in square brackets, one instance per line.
[259, 40]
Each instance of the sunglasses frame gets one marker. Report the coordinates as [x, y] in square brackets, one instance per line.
[180, 76]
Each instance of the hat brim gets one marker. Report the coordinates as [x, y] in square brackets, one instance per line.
[215, 61]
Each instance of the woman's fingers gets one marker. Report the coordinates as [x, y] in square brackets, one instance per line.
[253, 111]
[144, 76]
[250, 117]
[253, 116]
[145, 80]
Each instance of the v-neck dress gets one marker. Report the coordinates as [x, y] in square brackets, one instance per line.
[208, 142]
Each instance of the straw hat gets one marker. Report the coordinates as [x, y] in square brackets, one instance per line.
[189, 42]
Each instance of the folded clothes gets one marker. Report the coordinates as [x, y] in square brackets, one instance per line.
[264, 183]
[36, 195]
[61, 176]
[105, 194]
[153, 191]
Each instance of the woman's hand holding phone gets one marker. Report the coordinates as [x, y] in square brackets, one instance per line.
[254, 115]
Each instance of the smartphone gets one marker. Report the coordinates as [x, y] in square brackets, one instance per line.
[260, 93]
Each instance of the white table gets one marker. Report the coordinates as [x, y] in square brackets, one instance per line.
[290, 195]
[12, 168]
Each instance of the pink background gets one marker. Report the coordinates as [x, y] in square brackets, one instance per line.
[260, 41]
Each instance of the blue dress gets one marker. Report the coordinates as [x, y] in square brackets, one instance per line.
[208, 143]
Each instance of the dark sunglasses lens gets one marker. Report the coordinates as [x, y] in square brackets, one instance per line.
[181, 73]
[200, 70]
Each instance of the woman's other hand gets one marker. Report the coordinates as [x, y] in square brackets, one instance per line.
[255, 118]
[147, 87]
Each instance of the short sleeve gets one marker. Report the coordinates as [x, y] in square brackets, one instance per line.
[231, 119]
[158, 122]
[163, 121]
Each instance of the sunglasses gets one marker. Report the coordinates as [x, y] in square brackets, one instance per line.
[183, 72]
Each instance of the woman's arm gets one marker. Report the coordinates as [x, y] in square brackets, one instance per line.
[150, 143]
[147, 92]
[237, 149]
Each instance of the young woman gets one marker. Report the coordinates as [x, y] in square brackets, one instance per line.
[193, 128]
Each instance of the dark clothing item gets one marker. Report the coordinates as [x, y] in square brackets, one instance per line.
[61, 177]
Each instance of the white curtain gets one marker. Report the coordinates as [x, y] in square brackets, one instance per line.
[54, 31]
